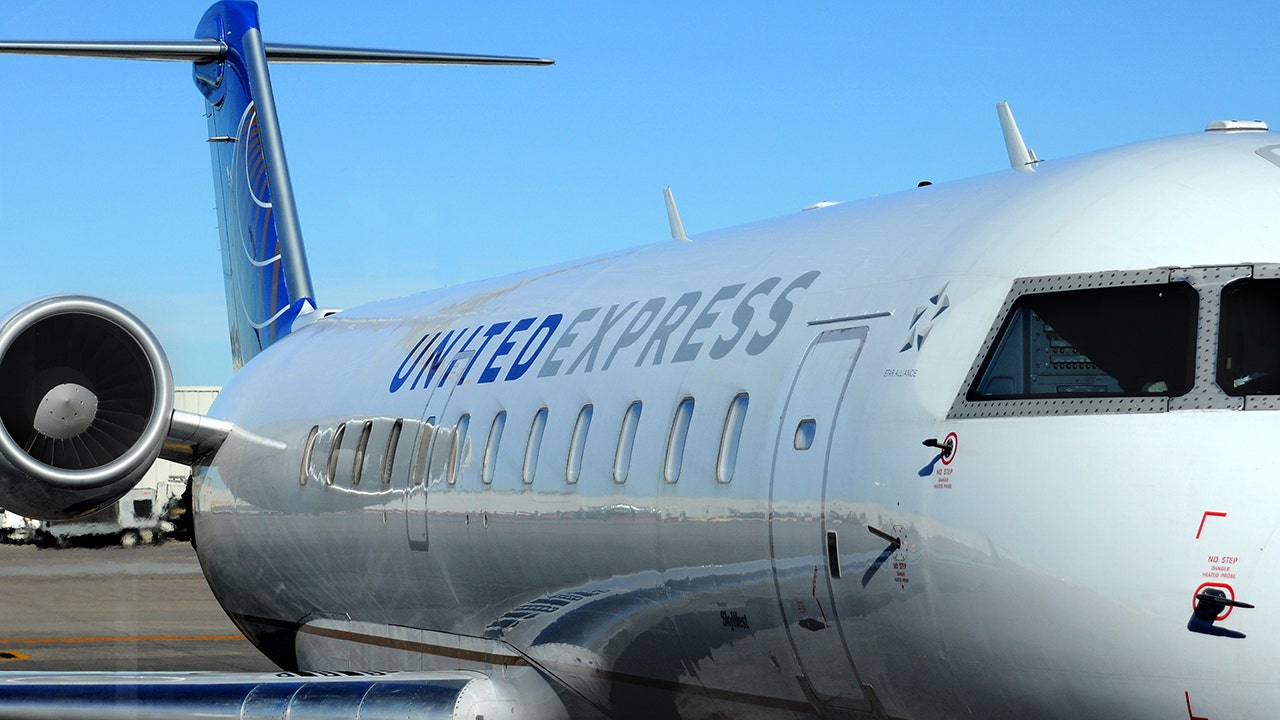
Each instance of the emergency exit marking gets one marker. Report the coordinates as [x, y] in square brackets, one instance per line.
[1190, 714]
[1207, 514]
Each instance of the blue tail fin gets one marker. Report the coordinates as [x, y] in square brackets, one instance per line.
[263, 261]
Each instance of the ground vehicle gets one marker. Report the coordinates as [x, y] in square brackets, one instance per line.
[15, 528]
[138, 517]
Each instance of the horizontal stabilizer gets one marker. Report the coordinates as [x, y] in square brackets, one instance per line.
[202, 51]
[280, 52]
[174, 50]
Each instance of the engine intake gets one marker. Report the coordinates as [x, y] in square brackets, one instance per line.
[86, 398]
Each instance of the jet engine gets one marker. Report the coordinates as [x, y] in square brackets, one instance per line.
[86, 398]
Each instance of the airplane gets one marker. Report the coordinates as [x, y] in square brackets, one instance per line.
[988, 448]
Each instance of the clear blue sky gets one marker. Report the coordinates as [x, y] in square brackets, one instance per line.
[410, 178]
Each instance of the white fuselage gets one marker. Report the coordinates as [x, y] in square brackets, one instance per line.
[1045, 569]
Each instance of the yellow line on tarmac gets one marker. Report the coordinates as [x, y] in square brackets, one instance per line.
[140, 638]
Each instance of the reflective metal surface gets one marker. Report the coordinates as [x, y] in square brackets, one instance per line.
[1038, 549]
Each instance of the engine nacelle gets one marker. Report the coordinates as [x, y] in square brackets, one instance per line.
[86, 398]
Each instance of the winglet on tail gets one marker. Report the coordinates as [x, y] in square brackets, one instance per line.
[268, 282]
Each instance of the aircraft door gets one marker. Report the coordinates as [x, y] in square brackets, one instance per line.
[430, 455]
[801, 551]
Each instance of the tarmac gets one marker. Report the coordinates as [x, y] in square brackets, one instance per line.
[115, 609]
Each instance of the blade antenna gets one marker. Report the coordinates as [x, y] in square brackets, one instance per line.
[1021, 157]
[673, 217]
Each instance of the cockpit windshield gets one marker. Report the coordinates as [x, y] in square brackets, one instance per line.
[1249, 338]
[1098, 342]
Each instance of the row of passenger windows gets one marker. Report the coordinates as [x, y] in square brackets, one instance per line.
[442, 451]
[1131, 341]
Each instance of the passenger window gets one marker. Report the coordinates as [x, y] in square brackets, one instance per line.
[730, 438]
[491, 444]
[1099, 342]
[332, 469]
[388, 463]
[533, 447]
[626, 442]
[309, 448]
[806, 430]
[442, 449]
[676, 441]
[357, 465]
[1248, 342]
[426, 437]
[460, 447]
[577, 444]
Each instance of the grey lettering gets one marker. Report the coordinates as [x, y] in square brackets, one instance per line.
[685, 302]
[593, 347]
[552, 365]
[742, 318]
[779, 313]
[689, 350]
[635, 329]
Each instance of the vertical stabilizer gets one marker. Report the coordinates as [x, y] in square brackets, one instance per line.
[264, 264]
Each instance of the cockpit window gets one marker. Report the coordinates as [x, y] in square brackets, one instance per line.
[1099, 342]
[1249, 338]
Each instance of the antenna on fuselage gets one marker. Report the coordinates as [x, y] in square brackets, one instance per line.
[1021, 157]
[673, 217]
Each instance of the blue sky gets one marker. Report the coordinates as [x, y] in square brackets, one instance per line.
[411, 178]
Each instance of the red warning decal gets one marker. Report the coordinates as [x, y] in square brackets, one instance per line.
[942, 473]
[1207, 514]
[952, 444]
[1231, 595]
[1190, 714]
